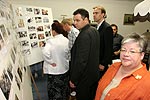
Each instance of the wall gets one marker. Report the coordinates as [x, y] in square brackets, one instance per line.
[115, 11]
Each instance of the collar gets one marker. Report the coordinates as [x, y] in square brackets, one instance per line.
[100, 24]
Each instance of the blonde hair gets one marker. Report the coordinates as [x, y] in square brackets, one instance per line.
[67, 21]
[102, 10]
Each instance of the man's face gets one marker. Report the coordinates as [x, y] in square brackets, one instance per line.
[114, 30]
[98, 16]
[79, 22]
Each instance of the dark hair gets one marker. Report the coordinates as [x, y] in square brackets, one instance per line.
[115, 26]
[84, 13]
[57, 27]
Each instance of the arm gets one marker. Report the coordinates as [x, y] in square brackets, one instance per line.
[80, 60]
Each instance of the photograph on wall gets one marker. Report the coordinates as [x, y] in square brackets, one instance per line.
[26, 51]
[13, 56]
[18, 11]
[17, 82]
[1, 13]
[34, 44]
[29, 10]
[40, 28]
[20, 23]
[42, 43]
[19, 71]
[16, 97]
[38, 19]
[32, 36]
[3, 32]
[128, 19]
[9, 71]
[41, 36]
[47, 33]
[45, 20]
[1, 41]
[30, 20]
[44, 12]
[24, 43]
[5, 84]
[31, 28]
[47, 27]
[2, 97]
[22, 34]
[36, 11]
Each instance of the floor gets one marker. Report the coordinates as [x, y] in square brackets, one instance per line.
[39, 83]
[39, 89]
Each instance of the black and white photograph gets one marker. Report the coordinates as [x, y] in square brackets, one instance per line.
[34, 44]
[19, 11]
[32, 36]
[36, 11]
[31, 28]
[47, 33]
[45, 20]
[38, 19]
[1, 41]
[19, 71]
[5, 84]
[18, 82]
[13, 56]
[16, 97]
[26, 51]
[30, 10]
[46, 27]
[9, 71]
[24, 43]
[3, 31]
[30, 20]
[22, 34]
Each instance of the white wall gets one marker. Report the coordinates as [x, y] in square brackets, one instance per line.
[115, 11]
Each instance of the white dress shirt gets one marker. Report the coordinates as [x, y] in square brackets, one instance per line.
[55, 51]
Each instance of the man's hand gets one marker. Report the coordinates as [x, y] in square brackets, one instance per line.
[101, 67]
[71, 84]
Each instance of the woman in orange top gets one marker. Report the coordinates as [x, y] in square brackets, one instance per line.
[128, 79]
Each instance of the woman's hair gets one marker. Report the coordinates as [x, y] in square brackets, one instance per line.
[67, 21]
[134, 37]
[56, 26]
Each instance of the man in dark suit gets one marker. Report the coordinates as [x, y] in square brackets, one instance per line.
[84, 73]
[106, 39]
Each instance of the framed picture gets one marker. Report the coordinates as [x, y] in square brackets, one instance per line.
[128, 19]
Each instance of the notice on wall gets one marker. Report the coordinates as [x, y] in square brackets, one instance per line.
[33, 26]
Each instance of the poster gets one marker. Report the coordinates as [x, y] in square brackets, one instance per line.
[33, 26]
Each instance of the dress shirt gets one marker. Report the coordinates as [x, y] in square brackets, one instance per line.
[55, 51]
[72, 35]
[99, 24]
[132, 87]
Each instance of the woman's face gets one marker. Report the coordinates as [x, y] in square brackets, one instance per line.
[130, 55]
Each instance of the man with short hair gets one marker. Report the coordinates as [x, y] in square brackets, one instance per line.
[84, 72]
[117, 38]
[106, 39]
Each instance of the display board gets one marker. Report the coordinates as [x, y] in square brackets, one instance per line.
[15, 79]
[33, 26]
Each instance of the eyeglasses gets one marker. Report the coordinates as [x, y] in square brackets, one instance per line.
[129, 52]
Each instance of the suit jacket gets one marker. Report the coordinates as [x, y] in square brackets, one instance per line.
[106, 44]
[85, 57]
